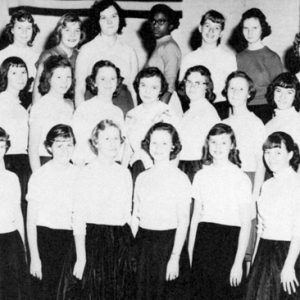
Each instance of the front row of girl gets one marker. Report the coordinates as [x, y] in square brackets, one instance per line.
[106, 262]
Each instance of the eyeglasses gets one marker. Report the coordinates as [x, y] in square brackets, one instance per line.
[160, 22]
[195, 84]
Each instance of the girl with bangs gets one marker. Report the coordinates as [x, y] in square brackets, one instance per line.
[197, 86]
[275, 271]
[221, 220]
[67, 36]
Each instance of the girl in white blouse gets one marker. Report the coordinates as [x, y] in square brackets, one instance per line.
[14, 119]
[55, 107]
[275, 272]
[13, 268]
[221, 220]
[102, 211]
[162, 200]
[50, 206]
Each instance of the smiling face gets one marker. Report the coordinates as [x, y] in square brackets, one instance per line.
[70, 35]
[252, 30]
[238, 92]
[211, 32]
[22, 32]
[195, 86]
[16, 78]
[220, 146]
[149, 89]
[106, 81]
[160, 145]
[160, 25]
[61, 80]
[109, 21]
[284, 97]
[62, 150]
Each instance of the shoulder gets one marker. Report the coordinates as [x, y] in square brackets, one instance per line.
[10, 176]
[191, 56]
[272, 54]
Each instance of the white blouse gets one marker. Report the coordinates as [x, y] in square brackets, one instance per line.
[103, 195]
[159, 194]
[279, 207]
[50, 190]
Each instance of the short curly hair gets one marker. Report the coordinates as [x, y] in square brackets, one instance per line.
[240, 74]
[12, 61]
[100, 6]
[170, 14]
[90, 80]
[147, 73]
[21, 16]
[256, 14]
[285, 80]
[209, 95]
[145, 144]
[219, 129]
[4, 137]
[50, 65]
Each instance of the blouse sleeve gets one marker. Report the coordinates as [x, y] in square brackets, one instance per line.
[274, 66]
[296, 213]
[185, 192]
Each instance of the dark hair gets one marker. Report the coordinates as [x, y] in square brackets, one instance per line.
[90, 80]
[62, 23]
[219, 129]
[12, 61]
[101, 127]
[292, 59]
[285, 80]
[100, 6]
[240, 74]
[4, 137]
[145, 144]
[147, 73]
[59, 131]
[215, 17]
[21, 16]
[50, 65]
[170, 14]
[256, 14]
[209, 95]
[276, 139]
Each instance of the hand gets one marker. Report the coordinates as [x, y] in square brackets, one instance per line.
[190, 251]
[79, 268]
[172, 268]
[236, 274]
[36, 267]
[288, 279]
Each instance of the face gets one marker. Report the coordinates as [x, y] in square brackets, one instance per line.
[160, 145]
[106, 81]
[62, 150]
[109, 21]
[149, 89]
[61, 80]
[210, 32]
[284, 97]
[278, 159]
[252, 30]
[109, 142]
[195, 86]
[238, 92]
[220, 146]
[70, 35]
[2, 148]
[160, 25]
[16, 78]
[22, 32]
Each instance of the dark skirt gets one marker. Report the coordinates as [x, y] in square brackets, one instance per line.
[109, 270]
[14, 277]
[190, 167]
[53, 245]
[213, 256]
[264, 278]
[154, 249]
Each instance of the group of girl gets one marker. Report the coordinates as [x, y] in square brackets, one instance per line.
[91, 235]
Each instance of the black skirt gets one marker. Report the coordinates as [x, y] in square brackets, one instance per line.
[14, 276]
[213, 256]
[264, 279]
[109, 270]
[154, 249]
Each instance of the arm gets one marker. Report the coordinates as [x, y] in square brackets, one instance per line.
[80, 256]
[135, 220]
[134, 70]
[258, 179]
